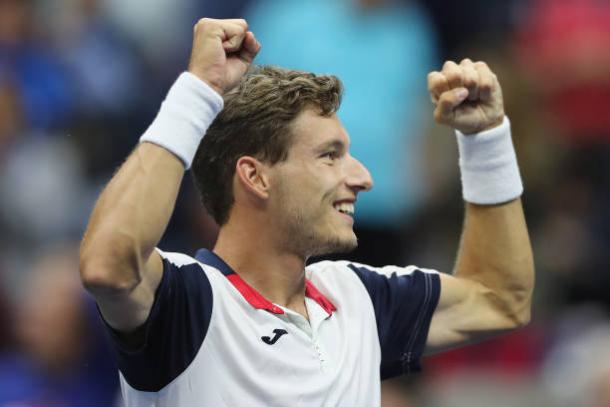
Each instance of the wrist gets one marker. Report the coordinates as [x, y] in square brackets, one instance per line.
[185, 115]
[215, 85]
[497, 123]
[488, 166]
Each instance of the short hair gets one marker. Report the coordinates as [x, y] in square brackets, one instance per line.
[256, 121]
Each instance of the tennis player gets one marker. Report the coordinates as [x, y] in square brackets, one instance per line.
[249, 323]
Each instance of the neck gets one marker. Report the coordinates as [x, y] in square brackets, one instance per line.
[259, 259]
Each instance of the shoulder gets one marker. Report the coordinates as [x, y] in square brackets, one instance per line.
[188, 266]
[328, 270]
[177, 259]
[182, 306]
[388, 270]
[350, 268]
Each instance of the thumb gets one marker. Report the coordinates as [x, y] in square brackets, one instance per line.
[250, 48]
[448, 101]
[234, 35]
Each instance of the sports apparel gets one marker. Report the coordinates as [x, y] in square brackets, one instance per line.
[213, 340]
[189, 108]
[488, 166]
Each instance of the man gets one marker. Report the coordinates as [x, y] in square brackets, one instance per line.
[393, 107]
[249, 323]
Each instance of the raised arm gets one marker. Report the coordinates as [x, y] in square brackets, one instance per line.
[118, 263]
[491, 288]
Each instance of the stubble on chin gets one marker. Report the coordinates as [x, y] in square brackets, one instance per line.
[336, 246]
[310, 236]
[318, 243]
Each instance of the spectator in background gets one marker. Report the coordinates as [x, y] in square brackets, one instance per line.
[39, 77]
[577, 370]
[11, 117]
[382, 108]
[158, 28]
[42, 190]
[9, 123]
[463, 23]
[562, 47]
[223, 9]
[6, 328]
[61, 360]
[103, 68]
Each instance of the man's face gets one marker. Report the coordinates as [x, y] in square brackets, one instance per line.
[314, 190]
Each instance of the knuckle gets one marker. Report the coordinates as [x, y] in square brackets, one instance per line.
[483, 68]
[453, 76]
[203, 23]
[485, 86]
[449, 66]
[469, 79]
[434, 82]
[438, 77]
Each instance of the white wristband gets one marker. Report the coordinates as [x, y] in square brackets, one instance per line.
[185, 115]
[488, 163]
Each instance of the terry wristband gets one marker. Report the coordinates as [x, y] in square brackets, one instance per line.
[185, 115]
[488, 164]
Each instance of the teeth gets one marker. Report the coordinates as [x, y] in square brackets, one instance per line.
[344, 207]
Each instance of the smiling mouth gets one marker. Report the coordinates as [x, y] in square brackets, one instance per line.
[346, 208]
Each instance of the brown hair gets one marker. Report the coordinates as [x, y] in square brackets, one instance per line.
[256, 121]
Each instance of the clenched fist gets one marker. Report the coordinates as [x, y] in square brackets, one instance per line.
[222, 52]
[468, 96]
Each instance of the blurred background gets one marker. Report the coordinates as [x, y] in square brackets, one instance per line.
[80, 80]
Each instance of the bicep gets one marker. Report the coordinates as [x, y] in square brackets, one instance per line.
[125, 311]
[162, 324]
[467, 312]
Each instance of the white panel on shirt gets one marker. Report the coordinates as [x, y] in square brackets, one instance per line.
[335, 361]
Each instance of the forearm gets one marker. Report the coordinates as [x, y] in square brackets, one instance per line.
[495, 251]
[491, 289]
[134, 210]
[130, 217]
[118, 262]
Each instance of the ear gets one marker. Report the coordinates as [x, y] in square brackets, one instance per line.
[252, 176]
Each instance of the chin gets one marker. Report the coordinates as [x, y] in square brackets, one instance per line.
[336, 245]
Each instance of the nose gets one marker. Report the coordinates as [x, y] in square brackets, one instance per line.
[358, 177]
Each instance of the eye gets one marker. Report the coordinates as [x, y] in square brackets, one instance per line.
[330, 155]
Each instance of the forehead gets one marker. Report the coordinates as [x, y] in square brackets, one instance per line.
[311, 130]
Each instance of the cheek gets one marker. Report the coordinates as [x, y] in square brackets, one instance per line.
[301, 185]
[308, 188]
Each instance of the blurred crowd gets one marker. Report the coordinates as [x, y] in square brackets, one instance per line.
[81, 79]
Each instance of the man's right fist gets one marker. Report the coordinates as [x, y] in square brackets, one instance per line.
[222, 52]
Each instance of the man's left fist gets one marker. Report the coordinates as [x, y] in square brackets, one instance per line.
[468, 96]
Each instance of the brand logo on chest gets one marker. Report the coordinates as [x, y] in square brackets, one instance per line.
[278, 333]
